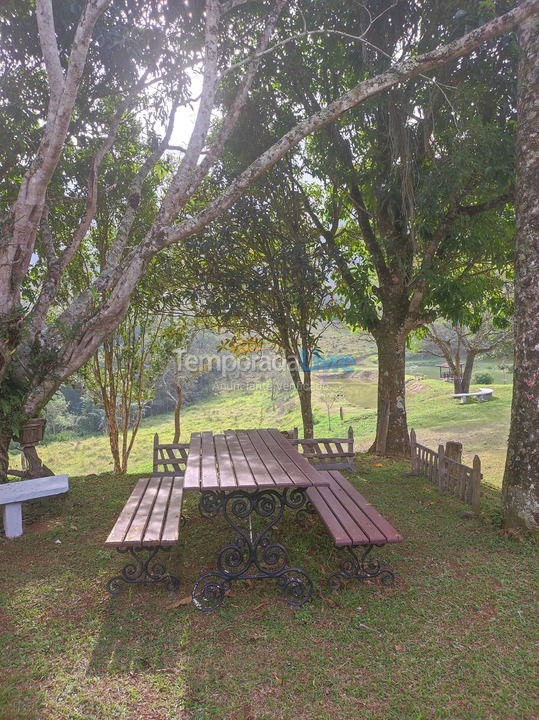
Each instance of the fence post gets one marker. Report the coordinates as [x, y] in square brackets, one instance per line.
[155, 454]
[453, 450]
[476, 485]
[441, 467]
[413, 452]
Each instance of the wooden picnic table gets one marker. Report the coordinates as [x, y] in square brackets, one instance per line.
[251, 477]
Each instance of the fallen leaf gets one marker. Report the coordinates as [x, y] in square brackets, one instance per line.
[398, 647]
[182, 601]
[378, 464]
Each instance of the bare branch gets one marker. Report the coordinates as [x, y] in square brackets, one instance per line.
[51, 55]
[16, 253]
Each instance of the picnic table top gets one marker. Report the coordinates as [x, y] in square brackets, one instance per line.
[247, 460]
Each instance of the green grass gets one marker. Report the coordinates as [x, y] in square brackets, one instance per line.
[454, 639]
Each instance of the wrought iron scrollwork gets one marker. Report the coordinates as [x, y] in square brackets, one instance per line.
[253, 555]
[210, 503]
[358, 567]
[143, 569]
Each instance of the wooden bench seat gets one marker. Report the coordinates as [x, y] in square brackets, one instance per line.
[353, 522]
[150, 520]
[349, 518]
[151, 516]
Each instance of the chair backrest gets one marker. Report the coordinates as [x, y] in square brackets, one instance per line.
[169, 458]
[291, 434]
[328, 453]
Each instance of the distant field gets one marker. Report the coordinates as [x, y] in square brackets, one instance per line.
[481, 427]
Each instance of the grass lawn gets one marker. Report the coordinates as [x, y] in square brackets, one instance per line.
[455, 637]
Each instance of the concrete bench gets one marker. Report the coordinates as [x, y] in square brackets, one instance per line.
[12, 496]
[481, 395]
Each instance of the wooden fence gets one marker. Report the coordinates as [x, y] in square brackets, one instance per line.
[445, 470]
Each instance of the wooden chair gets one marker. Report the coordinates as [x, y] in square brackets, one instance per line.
[328, 453]
[169, 458]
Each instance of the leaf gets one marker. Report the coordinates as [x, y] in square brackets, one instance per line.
[177, 603]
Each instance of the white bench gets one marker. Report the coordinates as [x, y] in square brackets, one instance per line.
[482, 394]
[12, 496]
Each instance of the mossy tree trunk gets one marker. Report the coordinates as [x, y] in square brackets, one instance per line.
[521, 479]
[392, 436]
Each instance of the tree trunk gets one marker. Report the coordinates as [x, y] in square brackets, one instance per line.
[391, 428]
[305, 401]
[177, 413]
[115, 445]
[304, 390]
[4, 456]
[521, 478]
[467, 374]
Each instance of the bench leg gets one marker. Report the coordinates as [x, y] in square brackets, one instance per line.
[12, 514]
[358, 567]
[143, 570]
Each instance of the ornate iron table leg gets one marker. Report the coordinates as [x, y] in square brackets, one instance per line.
[357, 567]
[143, 570]
[253, 555]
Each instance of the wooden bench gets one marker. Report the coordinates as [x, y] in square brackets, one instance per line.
[353, 522]
[169, 458]
[328, 453]
[13, 494]
[481, 395]
[149, 523]
[350, 519]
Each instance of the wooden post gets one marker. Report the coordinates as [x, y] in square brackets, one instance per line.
[341, 413]
[453, 450]
[441, 468]
[413, 452]
[350, 439]
[155, 458]
[476, 485]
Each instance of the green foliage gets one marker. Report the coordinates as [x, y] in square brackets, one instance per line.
[58, 416]
[483, 378]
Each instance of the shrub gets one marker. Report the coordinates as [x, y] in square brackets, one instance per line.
[483, 378]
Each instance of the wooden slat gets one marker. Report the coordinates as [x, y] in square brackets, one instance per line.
[192, 471]
[227, 476]
[360, 519]
[346, 517]
[334, 526]
[384, 527]
[328, 455]
[276, 471]
[171, 527]
[138, 525]
[154, 528]
[258, 468]
[244, 476]
[208, 478]
[118, 532]
[305, 474]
